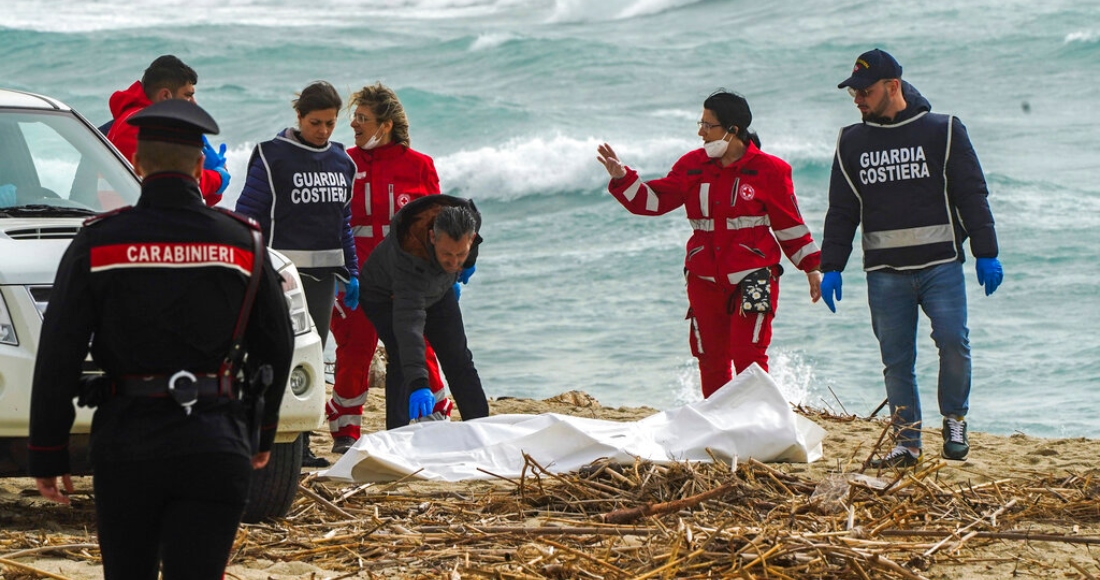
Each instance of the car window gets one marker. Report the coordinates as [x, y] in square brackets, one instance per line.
[53, 159]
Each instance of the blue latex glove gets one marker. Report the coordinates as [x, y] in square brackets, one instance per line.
[351, 295]
[212, 159]
[225, 179]
[7, 195]
[458, 291]
[464, 275]
[421, 403]
[990, 274]
[831, 285]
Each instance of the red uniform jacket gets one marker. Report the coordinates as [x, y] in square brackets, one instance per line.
[386, 178]
[742, 214]
[124, 136]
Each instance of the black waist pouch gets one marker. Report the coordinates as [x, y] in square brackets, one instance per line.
[756, 291]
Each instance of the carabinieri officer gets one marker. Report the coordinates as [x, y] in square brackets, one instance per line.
[170, 294]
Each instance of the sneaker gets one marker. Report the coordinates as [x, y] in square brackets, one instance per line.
[342, 443]
[956, 445]
[311, 460]
[899, 456]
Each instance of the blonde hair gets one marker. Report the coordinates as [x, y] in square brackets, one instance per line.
[383, 102]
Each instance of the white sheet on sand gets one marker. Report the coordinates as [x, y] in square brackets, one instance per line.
[748, 417]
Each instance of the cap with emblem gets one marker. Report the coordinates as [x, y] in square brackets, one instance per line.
[871, 67]
[174, 121]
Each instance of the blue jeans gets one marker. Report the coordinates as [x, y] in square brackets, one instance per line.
[894, 297]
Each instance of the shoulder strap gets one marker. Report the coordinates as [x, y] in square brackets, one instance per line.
[232, 360]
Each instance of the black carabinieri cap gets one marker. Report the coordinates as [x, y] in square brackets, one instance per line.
[871, 67]
[174, 121]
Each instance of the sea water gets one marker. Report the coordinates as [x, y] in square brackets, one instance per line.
[511, 98]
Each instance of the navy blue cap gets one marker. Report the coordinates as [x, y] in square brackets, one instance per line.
[871, 67]
[174, 121]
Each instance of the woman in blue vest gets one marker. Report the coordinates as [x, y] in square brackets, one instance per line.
[299, 189]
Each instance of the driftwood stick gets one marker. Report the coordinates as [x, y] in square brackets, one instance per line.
[328, 505]
[32, 569]
[48, 549]
[1022, 536]
[588, 557]
[627, 515]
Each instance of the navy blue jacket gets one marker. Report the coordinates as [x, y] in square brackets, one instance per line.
[916, 186]
[301, 196]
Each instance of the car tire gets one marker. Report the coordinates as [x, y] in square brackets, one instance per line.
[274, 487]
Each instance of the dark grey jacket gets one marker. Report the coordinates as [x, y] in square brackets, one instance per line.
[403, 270]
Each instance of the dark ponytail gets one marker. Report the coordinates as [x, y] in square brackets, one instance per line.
[733, 113]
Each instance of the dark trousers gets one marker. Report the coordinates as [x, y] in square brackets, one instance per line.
[443, 329]
[180, 511]
[320, 294]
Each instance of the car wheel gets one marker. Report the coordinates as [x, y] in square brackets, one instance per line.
[274, 487]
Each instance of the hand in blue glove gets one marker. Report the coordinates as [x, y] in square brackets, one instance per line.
[7, 195]
[212, 159]
[421, 403]
[458, 291]
[225, 179]
[831, 285]
[351, 295]
[990, 274]
[464, 275]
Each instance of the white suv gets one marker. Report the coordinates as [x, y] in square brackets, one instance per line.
[56, 170]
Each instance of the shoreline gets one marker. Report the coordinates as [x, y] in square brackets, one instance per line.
[1011, 464]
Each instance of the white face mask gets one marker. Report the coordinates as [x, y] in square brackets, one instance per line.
[716, 148]
[374, 141]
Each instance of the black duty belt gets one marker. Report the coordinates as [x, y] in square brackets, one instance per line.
[184, 387]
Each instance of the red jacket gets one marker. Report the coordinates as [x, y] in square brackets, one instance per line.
[386, 178]
[124, 136]
[742, 214]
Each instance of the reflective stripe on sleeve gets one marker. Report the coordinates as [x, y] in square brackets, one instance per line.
[791, 233]
[804, 251]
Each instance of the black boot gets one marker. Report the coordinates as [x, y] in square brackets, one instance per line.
[308, 458]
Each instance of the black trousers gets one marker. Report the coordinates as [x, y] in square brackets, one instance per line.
[443, 329]
[320, 295]
[181, 511]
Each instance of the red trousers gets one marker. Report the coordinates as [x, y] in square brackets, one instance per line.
[356, 341]
[720, 337]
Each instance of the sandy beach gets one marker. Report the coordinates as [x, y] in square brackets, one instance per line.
[1018, 540]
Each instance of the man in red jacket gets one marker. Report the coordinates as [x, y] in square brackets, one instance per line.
[166, 78]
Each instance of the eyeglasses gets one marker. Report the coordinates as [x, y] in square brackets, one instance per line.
[362, 119]
[705, 126]
[864, 93]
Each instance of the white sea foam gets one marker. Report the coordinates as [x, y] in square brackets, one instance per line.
[547, 165]
[1083, 36]
[492, 40]
[84, 16]
[588, 11]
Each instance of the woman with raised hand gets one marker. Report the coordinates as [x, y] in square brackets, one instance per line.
[741, 206]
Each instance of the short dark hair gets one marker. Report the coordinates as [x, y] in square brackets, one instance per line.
[317, 96]
[455, 221]
[732, 111]
[167, 72]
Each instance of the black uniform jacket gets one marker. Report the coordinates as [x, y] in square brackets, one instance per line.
[156, 289]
